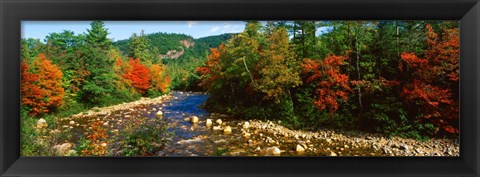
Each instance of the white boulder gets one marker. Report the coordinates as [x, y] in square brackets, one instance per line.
[300, 148]
[42, 123]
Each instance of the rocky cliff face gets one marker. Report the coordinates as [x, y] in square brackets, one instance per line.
[174, 54]
[187, 43]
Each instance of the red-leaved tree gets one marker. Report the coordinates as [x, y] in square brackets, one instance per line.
[331, 85]
[138, 75]
[432, 85]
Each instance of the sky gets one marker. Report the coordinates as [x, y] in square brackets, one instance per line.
[124, 29]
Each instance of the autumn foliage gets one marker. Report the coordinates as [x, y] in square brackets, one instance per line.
[211, 71]
[434, 80]
[138, 75]
[158, 78]
[42, 87]
[96, 141]
[31, 93]
[331, 85]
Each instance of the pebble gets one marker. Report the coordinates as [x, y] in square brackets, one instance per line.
[246, 125]
[219, 121]
[194, 119]
[208, 122]
[227, 130]
[42, 123]
[300, 148]
[159, 114]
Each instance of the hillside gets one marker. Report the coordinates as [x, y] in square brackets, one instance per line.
[178, 46]
[181, 53]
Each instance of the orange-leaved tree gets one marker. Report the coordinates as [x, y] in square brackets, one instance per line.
[44, 93]
[32, 94]
[331, 85]
[432, 84]
[212, 69]
[138, 75]
[159, 80]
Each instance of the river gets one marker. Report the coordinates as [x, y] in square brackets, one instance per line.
[197, 139]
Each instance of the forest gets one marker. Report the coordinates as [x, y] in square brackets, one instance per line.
[393, 77]
[396, 78]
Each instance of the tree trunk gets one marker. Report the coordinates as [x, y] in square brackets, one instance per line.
[358, 71]
[248, 71]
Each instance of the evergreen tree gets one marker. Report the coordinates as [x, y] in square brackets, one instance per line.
[138, 47]
[98, 87]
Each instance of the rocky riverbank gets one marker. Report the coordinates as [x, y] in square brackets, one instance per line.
[345, 142]
[144, 101]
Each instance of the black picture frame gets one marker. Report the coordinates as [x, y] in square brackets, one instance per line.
[14, 11]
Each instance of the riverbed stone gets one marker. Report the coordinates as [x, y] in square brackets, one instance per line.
[72, 122]
[42, 123]
[271, 151]
[194, 119]
[219, 121]
[300, 148]
[246, 125]
[159, 114]
[227, 130]
[208, 122]
[404, 147]
[217, 128]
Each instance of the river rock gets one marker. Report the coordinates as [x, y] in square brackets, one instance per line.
[272, 151]
[194, 119]
[219, 121]
[72, 122]
[208, 122]
[246, 135]
[159, 114]
[217, 128]
[300, 148]
[403, 147]
[227, 130]
[42, 123]
[332, 153]
[246, 125]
